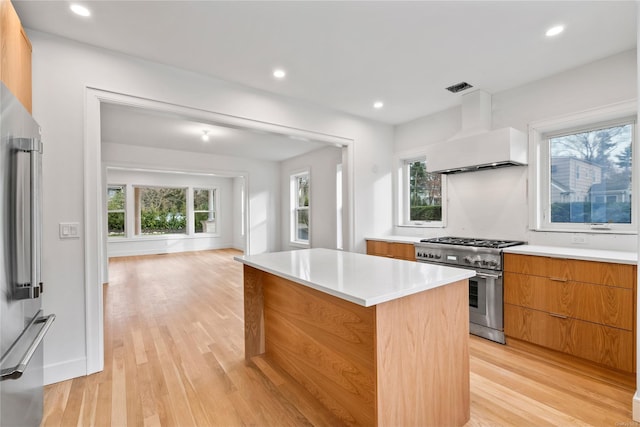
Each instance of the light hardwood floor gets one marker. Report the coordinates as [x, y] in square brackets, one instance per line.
[174, 357]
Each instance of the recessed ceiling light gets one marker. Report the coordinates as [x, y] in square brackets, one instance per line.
[205, 135]
[279, 73]
[378, 105]
[554, 31]
[80, 10]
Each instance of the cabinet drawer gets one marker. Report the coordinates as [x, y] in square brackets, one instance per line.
[607, 305]
[391, 249]
[602, 344]
[603, 273]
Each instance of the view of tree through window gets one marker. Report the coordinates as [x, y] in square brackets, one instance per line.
[591, 176]
[204, 210]
[161, 210]
[425, 193]
[301, 207]
[116, 210]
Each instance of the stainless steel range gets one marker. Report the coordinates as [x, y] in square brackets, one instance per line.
[485, 289]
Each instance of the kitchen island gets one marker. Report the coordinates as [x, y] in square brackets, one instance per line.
[377, 341]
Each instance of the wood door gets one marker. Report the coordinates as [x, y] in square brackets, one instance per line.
[16, 55]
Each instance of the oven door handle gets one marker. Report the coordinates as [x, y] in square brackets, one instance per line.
[488, 276]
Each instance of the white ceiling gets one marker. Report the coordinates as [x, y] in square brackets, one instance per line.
[346, 54]
[136, 126]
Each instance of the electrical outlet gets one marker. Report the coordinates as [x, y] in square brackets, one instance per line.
[579, 239]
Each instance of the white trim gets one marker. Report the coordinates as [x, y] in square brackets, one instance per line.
[293, 207]
[399, 192]
[538, 175]
[57, 372]
[95, 243]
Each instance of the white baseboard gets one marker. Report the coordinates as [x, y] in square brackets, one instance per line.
[65, 371]
[636, 407]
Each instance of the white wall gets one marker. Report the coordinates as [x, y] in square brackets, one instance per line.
[321, 165]
[494, 203]
[62, 72]
[145, 245]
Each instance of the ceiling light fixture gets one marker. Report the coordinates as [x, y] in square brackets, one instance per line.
[80, 10]
[205, 135]
[554, 31]
[378, 105]
[279, 73]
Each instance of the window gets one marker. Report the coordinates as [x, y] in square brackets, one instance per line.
[300, 208]
[204, 210]
[116, 214]
[160, 210]
[585, 179]
[422, 194]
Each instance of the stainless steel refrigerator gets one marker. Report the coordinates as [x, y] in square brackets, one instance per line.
[22, 323]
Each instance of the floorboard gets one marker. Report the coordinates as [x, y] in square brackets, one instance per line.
[174, 357]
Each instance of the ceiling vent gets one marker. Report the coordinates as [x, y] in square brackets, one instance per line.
[459, 87]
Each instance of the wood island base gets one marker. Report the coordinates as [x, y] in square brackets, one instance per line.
[404, 362]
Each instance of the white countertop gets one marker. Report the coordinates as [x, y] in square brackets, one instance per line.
[396, 239]
[601, 255]
[362, 279]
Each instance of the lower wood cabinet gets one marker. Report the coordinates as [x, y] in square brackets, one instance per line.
[582, 308]
[397, 250]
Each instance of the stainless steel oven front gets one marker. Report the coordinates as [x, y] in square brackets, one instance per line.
[486, 305]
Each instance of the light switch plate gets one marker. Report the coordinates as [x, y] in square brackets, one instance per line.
[69, 230]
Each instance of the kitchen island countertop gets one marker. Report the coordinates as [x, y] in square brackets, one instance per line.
[362, 279]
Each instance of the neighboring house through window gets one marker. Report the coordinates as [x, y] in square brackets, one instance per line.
[585, 173]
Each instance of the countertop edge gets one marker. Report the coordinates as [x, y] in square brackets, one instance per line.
[598, 255]
[365, 302]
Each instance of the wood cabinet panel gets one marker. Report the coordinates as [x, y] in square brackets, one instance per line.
[15, 64]
[604, 273]
[397, 250]
[602, 344]
[607, 305]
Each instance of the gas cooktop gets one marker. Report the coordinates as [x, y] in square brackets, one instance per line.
[478, 243]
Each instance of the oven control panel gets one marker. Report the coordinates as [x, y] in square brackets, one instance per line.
[460, 257]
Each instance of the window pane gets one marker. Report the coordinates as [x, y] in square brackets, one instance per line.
[591, 176]
[200, 199]
[115, 224]
[162, 210]
[204, 223]
[303, 190]
[425, 193]
[302, 225]
[115, 198]
[116, 210]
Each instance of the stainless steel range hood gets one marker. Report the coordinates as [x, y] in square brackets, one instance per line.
[477, 147]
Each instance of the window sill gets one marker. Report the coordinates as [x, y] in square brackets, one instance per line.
[584, 231]
[425, 225]
[161, 237]
[300, 245]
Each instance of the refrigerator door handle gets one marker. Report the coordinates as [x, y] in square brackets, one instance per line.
[15, 372]
[33, 146]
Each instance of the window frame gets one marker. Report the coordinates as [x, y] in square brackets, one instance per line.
[540, 170]
[137, 232]
[402, 189]
[294, 208]
[213, 197]
[123, 211]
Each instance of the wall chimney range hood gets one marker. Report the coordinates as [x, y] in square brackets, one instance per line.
[476, 147]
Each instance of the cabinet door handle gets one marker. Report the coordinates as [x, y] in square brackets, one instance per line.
[559, 316]
[558, 279]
